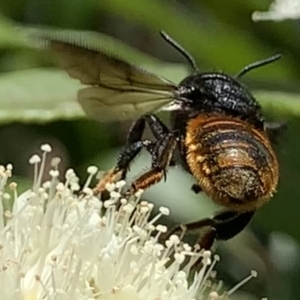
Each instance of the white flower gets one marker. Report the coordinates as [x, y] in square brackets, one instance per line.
[56, 245]
[279, 10]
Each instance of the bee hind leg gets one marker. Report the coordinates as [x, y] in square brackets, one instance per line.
[223, 226]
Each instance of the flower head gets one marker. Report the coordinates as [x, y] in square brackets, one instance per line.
[56, 244]
[279, 10]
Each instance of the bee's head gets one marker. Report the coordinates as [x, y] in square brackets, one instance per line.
[220, 93]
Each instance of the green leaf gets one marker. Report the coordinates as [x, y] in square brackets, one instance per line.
[101, 42]
[11, 35]
[224, 47]
[279, 103]
[44, 95]
[38, 96]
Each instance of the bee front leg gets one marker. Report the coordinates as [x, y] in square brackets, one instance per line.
[133, 146]
[223, 226]
[160, 132]
[161, 152]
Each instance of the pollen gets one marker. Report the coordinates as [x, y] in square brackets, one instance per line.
[46, 148]
[206, 169]
[200, 158]
[193, 148]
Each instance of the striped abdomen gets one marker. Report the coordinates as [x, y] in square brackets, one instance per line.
[233, 162]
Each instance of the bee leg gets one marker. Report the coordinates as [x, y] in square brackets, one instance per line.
[226, 225]
[274, 129]
[133, 146]
[196, 188]
[222, 226]
[159, 130]
[161, 152]
[157, 127]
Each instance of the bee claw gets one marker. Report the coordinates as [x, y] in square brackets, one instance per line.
[110, 177]
[130, 192]
[179, 230]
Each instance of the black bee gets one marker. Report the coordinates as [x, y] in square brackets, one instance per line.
[218, 132]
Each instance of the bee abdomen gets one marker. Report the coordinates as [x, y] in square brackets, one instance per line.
[233, 163]
[240, 183]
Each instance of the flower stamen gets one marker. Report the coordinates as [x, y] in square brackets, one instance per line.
[253, 274]
[56, 245]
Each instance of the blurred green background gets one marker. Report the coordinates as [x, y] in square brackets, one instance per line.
[221, 37]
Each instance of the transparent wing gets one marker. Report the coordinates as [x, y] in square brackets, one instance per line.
[104, 105]
[116, 89]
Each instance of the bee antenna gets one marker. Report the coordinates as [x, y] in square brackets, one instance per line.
[258, 64]
[179, 48]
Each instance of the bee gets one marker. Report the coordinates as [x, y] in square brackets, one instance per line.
[218, 132]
